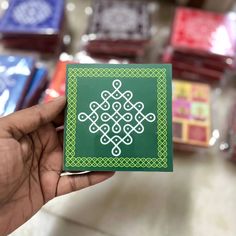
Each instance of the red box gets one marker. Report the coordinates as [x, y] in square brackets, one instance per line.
[204, 32]
[57, 85]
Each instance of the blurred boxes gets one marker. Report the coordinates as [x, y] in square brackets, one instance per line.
[21, 83]
[229, 145]
[191, 114]
[15, 76]
[37, 86]
[33, 25]
[118, 28]
[202, 44]
[57, 85]
[85, 58]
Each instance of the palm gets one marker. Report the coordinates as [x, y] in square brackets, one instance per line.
[30, 167]
[32, 173]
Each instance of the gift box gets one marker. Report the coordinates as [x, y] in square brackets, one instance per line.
[191, 114]
[118, 28]
[15, 77]
[202, 43]
[33, 25]
[37, 86]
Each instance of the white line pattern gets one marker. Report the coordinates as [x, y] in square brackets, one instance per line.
[32, 12]
[117, 117]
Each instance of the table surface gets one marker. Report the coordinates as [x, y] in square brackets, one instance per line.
[198, 198]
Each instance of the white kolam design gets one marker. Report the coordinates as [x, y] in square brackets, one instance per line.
[32, 12]
[120, 18]
[116, 120]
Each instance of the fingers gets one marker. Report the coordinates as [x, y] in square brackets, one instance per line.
[59, 120]
[29, 120]
[72, 183]
[60, 134]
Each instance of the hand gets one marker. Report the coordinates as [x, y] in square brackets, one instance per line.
[31, 163]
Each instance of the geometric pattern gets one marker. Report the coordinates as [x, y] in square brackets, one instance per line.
[120, 20]
[160, 74]
[32, 12]
[126, 119]
[33, 16]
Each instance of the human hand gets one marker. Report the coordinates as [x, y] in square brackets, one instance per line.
[31, 163]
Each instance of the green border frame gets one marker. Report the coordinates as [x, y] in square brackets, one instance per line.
[162, 73]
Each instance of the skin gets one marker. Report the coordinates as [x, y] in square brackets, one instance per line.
[31, 163]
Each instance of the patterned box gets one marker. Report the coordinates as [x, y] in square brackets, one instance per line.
[119, 20]
[118, 28]
[15, 77]
[33, 17]
[204, 32]
[118, 118]
[191, 113]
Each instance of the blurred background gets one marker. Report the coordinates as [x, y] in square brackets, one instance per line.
[198, 37]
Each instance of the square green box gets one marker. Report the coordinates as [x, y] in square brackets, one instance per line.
[118, 118]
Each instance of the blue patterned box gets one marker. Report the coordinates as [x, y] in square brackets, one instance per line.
[33, 17]
[37, 86]
[15, 75]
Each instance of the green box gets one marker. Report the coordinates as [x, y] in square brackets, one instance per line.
[118, 118]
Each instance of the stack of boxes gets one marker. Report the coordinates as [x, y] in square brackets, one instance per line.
[21, 84]
[33, 25]
[202, 45]
[118, 29]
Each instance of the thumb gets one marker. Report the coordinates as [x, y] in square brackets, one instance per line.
[30, 119]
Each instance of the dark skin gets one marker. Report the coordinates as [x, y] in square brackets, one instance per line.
[31, 163]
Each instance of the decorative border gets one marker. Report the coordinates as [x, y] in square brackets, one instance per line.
[128, 162]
